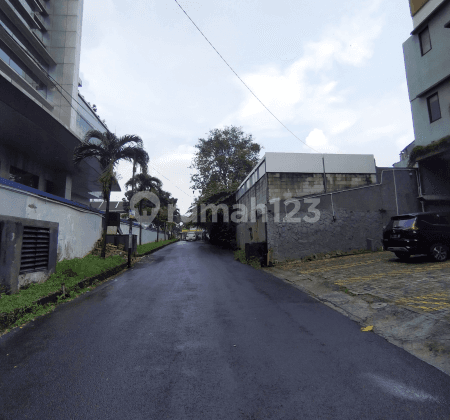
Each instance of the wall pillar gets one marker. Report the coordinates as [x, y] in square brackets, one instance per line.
[68, 191]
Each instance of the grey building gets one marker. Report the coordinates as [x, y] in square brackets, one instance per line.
[42, 116]
[427, 64]
[299, 204]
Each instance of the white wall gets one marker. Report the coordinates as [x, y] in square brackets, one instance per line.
[147, 235]
[79, 229]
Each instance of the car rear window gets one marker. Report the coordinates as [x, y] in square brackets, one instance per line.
[404, 223]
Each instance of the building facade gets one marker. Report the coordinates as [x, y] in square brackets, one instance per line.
[42, 116]
[300, 204]
[427, 64]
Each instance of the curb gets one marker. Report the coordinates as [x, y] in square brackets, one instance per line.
[8, 319]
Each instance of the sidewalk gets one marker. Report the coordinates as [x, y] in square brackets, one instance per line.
[408, 303]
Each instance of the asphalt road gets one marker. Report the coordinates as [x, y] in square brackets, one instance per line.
[189, 333]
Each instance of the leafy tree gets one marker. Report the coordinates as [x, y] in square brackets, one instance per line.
[109, 151]
[222, 162]
[143, 182]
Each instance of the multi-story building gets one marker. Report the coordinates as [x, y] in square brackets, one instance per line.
[42, 116]
[427, 63]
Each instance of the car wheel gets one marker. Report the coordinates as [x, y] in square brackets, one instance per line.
[438, 252]
[402, 255]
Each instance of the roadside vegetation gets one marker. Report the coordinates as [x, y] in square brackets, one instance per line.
[239, 255]
[69, 273]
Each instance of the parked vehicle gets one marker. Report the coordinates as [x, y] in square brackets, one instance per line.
[191, 236]
[419, 233]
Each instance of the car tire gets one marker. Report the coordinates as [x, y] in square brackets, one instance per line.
[438, 252]
[403, 256]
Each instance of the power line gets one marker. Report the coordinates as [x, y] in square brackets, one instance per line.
[243, 81]
[171, 181]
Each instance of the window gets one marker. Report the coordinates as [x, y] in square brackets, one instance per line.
[23, 177]
[434, 110]
[425, 41]
[404, 223]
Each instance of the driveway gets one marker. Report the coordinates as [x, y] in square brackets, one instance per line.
[189, 333]
[408, 303]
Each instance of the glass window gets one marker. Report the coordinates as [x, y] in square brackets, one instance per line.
[434, 109]
[404, 223]
[425, 41]
[4, 56]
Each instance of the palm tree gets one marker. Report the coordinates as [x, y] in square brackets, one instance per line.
[143, 182]
[109, 151]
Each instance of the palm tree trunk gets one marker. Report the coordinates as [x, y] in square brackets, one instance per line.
[103, 254]
[140, 226]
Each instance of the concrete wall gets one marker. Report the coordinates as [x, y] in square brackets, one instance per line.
[63, 41]
[78, 229]
[424, 131]
[424, 71]
[359, 213]
[429, 71]
[348, 231]
[147, 235]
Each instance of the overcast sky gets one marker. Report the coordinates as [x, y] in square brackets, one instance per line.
[332, 72]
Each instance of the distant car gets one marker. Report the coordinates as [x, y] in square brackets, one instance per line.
[191, 236]
[419, 233]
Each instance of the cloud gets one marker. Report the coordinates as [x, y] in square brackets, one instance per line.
[306, 91]
[318, 141]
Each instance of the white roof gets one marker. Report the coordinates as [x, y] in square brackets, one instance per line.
[313, 163]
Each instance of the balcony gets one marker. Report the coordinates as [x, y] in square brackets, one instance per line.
[21, 25]
[40, 22]
[40, 6]
[25, 11]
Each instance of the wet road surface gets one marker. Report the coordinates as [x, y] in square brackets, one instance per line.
[189, 333]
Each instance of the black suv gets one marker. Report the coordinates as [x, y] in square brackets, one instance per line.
[418, 233]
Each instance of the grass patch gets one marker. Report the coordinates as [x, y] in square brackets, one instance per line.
[69, 272]
[345, 290]
[142, 249]
[239, 255]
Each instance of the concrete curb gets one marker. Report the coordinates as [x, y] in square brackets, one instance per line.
[8, 319]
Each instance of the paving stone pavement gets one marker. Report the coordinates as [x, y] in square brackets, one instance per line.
[408, 303]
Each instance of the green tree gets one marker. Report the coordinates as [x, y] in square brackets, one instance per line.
[109, 151]
[222, 162]
[143, 182]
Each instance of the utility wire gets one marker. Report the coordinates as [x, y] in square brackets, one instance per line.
[170, 181]
[243, 81]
